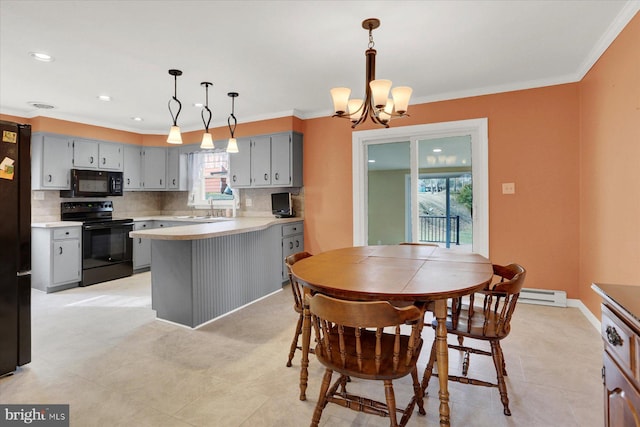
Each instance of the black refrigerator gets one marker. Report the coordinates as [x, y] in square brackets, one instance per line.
[15, 246]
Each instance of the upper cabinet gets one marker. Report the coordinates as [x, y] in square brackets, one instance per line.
[50, 162]
[268, 161]
[89, 154]
[132, 169]
[177, 168]
[154, 168]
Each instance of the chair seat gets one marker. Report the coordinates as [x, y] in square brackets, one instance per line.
[479, 326]
[368, 371]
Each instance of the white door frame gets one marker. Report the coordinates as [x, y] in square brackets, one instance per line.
[477, 128]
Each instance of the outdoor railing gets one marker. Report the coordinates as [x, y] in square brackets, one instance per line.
[434, 229]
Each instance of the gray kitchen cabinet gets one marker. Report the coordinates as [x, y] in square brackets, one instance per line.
[85, 154]
[269, 161]
[177, 168]
[91, 154]
[154, 168]
[59, 256]
[50, 162]
[141, 247]
[240, 164]
[132, 167]
[111, 156]
[261, 161]
[292, 242]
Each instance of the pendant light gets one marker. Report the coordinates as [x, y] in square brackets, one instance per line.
[207, 141]
[376, 105]
[174, 134]
[232, 145]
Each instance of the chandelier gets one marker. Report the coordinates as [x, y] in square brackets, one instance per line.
[377, 105]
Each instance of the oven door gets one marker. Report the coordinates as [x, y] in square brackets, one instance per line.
[107, 251]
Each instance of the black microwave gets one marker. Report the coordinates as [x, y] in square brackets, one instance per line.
[94, 183]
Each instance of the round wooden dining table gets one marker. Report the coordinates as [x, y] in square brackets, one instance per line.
[400, 273]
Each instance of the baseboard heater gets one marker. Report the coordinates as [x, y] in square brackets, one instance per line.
[543, 297]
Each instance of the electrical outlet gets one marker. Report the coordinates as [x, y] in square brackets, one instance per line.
[508, 188]
[248, 202]
[38, 195]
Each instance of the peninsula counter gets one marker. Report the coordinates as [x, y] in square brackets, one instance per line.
[202, 271]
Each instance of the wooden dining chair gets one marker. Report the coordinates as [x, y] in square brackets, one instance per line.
[296, 289]
[486, 320]
[351, 341]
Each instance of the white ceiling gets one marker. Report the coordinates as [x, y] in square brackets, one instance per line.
[283, 56]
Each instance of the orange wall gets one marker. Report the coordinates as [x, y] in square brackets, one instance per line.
[533, 142]
[610, 168]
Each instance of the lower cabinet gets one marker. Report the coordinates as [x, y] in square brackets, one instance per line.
[141, 247]
[59, 258]
[292, 242]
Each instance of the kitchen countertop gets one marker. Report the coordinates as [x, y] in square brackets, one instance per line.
[219, 227]
[56, 224]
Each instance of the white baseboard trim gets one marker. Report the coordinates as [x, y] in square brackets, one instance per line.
[585, 311]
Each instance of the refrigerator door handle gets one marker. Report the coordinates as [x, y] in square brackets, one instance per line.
[23, 273]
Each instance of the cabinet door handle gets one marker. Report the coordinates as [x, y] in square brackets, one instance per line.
[613, 337]
[104, 160]
[290, 245]
[139, 241]
[50, 178]
[60, 248]
[297, 243]
[91, 160]
[128, 181]
[161, 182]
[174, 181]
[266, 177]
[233, 178]
[277, 176]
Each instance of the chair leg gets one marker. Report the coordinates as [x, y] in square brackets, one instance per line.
[417, 389]
[322, 398]
[429, 369]
[498, 361]
[294, 343]
[391, 402]
[504, 365]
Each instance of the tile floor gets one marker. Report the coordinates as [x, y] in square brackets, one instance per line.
[101, 350]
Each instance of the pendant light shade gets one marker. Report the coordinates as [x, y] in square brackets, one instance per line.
[174, 133]
[232, 145]
[377, 105]
[207, 140]
[175, 137]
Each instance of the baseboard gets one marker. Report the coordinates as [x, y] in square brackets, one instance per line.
[576, 303]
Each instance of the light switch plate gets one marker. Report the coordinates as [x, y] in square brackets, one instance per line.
[38, 195]
[508, 188]
[248, 202]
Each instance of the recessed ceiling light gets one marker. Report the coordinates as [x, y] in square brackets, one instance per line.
[372, 161]
[41, 56]
[437, 150]
[41, 105]
[198, 104]
[137, 119]
[105, 98]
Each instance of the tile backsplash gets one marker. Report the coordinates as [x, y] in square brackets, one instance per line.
[150, 203]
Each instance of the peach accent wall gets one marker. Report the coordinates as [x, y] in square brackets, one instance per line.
[533, 142]
[610, 168]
